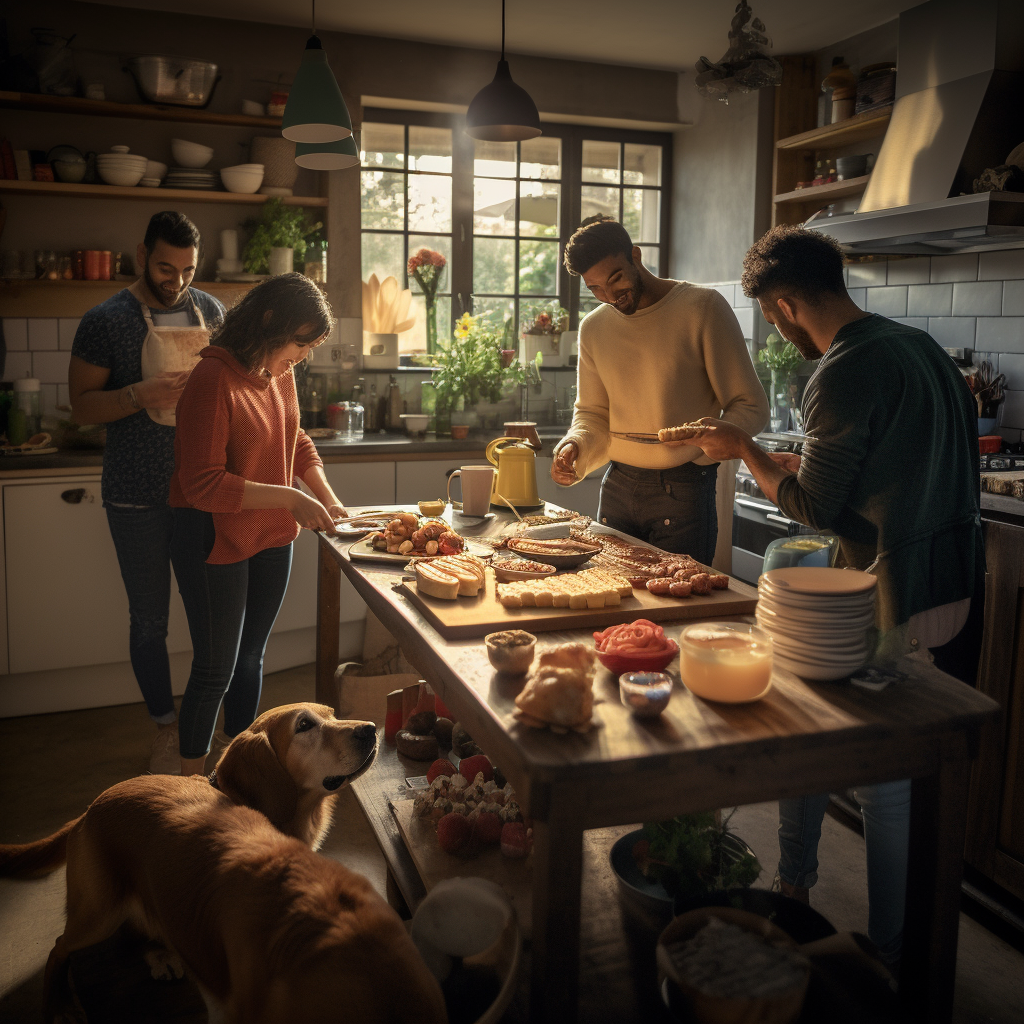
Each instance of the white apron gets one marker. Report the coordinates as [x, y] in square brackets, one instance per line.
[171, 349]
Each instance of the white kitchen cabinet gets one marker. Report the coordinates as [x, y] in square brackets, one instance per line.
[355, 483]
[582, 497]
[66, 603]
[419, 481]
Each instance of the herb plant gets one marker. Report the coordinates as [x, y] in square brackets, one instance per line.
[277, 226]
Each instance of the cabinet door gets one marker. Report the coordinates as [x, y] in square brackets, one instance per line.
[419, 481]
[355, 483]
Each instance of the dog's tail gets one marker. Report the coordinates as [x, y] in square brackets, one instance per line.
[33, 860]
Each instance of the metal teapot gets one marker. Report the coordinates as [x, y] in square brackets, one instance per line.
[516, 478]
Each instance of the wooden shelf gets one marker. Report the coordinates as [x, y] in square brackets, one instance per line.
[863, 126]
[62, 189]
[145, 111]
[72, 298]
[833, 190]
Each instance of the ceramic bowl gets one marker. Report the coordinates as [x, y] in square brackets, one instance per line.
[511, 650]
[566, 561]
[645, 694]
[415, 422]
[119, 175]
[190, 154]
[71, 171]
[619, 662]
[510, 575]
[727, 662]
[243, 178]
[155, 169]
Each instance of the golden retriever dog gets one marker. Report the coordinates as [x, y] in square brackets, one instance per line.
[272, 932]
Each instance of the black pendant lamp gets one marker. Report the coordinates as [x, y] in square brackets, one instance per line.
[316, 111]
[502, 111]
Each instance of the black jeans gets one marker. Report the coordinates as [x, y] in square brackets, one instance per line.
[231, 610]
[142, 540]
[671, 508]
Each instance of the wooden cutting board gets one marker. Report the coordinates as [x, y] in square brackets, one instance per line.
[434, 865]
[468, 617]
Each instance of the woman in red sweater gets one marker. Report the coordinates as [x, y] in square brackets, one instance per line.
[237, 452]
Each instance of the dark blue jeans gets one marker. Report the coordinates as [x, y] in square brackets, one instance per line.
[142, 540]
[231, 610]
[673, 509]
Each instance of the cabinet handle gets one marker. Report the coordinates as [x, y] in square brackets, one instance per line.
[77, 495]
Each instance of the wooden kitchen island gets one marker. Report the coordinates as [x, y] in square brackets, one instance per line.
[802, 738]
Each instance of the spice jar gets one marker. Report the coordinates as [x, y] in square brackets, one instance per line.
[26, 398]
[46, 265]
[843, 83]
[78, 265]
[91, 264]
[104, 266]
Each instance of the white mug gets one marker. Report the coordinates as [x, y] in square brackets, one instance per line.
[476, 488]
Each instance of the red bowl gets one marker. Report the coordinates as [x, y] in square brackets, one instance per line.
[642, 661]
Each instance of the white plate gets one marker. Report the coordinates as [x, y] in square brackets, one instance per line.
[820, 655]
[814, 620]
[819, 672]
[801, 602]
[363, 551]
[819, 580]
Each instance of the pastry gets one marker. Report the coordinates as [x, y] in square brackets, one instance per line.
[559, 691]
[685, 432]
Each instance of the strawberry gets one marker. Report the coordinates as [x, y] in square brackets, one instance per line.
[516, 840]
[453, 833]
[469, 766]
[487, 828]
[442, 766]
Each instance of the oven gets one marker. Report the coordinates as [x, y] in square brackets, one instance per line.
[756, 522]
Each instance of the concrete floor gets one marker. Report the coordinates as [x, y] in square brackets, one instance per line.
[52, 766]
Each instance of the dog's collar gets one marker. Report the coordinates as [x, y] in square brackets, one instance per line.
[213, 779]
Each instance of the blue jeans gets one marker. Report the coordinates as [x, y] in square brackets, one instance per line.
[142, 540]
[674, 509]
[886, 811]
[231, 610]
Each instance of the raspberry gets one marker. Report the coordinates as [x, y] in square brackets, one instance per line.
[453, 833]
[442, 766]
[469, 766]
[515, 839]
[487, 828]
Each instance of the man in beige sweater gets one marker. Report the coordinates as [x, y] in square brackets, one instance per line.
[657, 353]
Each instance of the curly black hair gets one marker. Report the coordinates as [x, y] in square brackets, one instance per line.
[794, 260]
[271, 315]
[594, 240]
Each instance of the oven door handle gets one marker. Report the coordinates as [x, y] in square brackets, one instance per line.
[758, 506]
[781, 519]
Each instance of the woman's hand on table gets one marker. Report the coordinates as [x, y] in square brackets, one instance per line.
[309, 513]
[337, 512]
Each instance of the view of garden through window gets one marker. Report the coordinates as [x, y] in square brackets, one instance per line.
[519, 222]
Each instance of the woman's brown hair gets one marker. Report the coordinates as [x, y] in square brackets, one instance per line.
[271, 315]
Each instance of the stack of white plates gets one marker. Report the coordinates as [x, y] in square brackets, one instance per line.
[190, 177]
[818, 619]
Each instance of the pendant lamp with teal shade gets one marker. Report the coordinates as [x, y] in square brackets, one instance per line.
[327, 156]
[502, 111]
[316, 111]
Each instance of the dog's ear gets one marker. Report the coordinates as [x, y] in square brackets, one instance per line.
[250, 773]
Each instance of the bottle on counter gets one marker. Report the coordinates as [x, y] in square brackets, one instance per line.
[27, 399]
[394, 404]
[359, 391]
[371, 421]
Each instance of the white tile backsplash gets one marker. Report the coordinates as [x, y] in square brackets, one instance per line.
[952, 331]
[728, 291]
[859, 295]
[1012, 364]
[1013, 298]
[66, 332]
[16, 333]
[741, 300]
[746, 319]
[42, 334]
[1001, 333]
[1011, 412]
[63, 396]
[48, 399]
[887, 301]
[1004, 265]
[912, 271]
[930, 300]
[51, 367]
[866, 275]
[919, 323]
[977, 298]
[963, 266]
[18, 365]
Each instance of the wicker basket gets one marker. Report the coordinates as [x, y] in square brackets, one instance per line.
[277, 155]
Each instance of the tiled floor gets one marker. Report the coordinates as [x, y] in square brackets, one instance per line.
[52, 766]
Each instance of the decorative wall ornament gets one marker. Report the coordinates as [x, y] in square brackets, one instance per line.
[746, 65]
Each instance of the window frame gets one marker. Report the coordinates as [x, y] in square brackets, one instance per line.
[572, 136]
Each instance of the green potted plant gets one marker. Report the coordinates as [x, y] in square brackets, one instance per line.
[782, 358]
[278, 227]
[472, 366]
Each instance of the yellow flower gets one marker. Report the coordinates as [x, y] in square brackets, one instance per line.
[464, 325]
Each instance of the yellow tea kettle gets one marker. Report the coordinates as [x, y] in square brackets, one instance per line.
[516, 478]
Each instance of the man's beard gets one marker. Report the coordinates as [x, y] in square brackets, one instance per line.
[158, 292]
[636, 290]
[794, 333]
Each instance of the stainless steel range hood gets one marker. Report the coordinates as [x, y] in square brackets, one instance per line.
[959, 110]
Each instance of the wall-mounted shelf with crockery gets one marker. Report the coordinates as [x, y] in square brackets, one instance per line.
[137, 192]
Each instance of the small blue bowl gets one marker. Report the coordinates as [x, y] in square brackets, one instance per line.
[645, 694]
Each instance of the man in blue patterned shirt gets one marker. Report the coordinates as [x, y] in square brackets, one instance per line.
[106, 384]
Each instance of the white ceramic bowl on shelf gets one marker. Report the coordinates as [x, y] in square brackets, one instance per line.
[155, 169]
[120, 174]
[245, 178]
[190, 154]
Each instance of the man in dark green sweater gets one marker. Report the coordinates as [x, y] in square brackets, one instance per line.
[890, 465]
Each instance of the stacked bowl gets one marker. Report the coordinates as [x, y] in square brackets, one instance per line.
[119, 167]
[818, 618]
[245, 178]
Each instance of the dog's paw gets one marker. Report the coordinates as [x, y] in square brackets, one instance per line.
[164, 965]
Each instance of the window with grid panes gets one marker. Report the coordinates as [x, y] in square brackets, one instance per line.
[623, 180]
[406, 205]
[501, 213]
